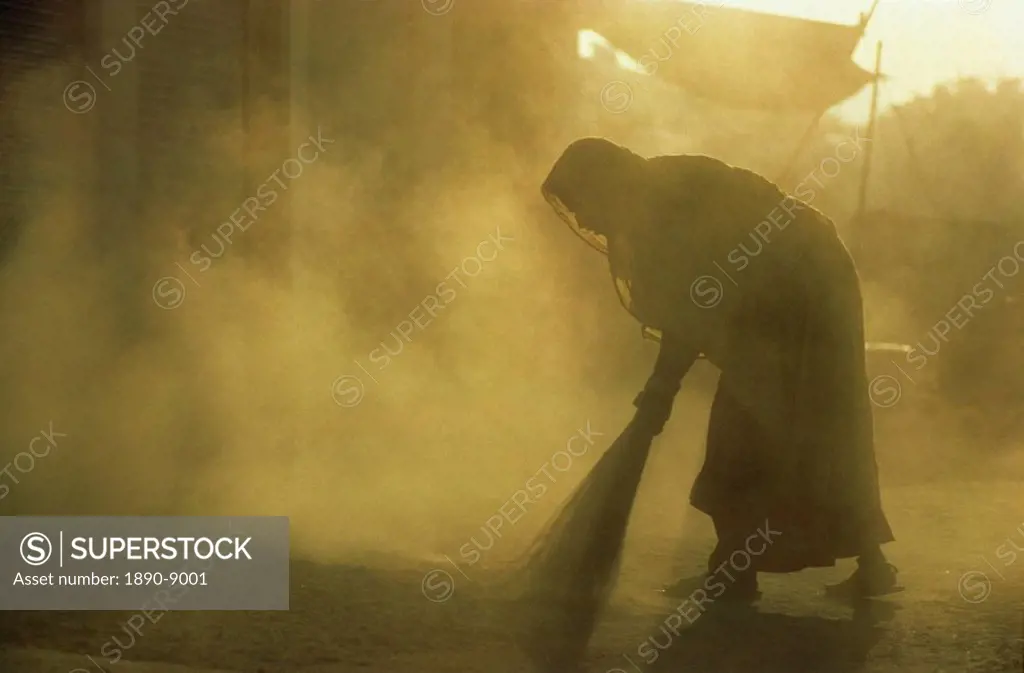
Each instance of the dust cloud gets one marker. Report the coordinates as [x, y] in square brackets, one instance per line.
[438, 338]
[472, 338]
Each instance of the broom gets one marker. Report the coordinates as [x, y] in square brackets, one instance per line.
[571, 568]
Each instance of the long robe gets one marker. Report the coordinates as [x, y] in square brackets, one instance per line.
[759, 282]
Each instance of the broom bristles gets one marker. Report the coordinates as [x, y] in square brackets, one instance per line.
[571, 569]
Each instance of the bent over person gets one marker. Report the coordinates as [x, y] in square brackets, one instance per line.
[716, 260]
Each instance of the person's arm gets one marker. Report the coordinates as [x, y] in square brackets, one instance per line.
[654, 403]
[675, 358]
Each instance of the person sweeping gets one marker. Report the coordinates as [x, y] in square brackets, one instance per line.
[716, 261]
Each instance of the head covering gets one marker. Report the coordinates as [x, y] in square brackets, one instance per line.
[593, 186]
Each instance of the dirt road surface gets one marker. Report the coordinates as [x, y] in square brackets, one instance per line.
[438, 615]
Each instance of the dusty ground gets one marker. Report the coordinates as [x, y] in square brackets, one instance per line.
[953, 513]
[380, 617]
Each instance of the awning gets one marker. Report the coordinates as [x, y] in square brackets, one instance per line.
[737, 58]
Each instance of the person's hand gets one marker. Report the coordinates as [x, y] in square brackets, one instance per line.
[653, 409]
[654, 404]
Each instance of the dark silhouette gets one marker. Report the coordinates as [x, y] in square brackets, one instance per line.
[719, 261]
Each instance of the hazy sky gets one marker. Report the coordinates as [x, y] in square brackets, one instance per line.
[925, 41]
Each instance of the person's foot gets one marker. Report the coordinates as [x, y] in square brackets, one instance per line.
[869, 580]
[716, 588]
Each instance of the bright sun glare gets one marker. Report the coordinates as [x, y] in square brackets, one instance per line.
[589, 43]
[927, 42]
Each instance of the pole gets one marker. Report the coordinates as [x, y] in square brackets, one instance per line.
[866, 172]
